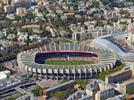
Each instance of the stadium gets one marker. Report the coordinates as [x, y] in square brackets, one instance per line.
[65, 61]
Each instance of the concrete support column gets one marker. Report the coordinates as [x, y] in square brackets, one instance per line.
[74, 73]
[37, 74]
[42, 73]
[57, 74]
[91, 72]
[80, 73]
[46, 73]
[63, 73]
[85, 73]
[68, 72]
[52, 74]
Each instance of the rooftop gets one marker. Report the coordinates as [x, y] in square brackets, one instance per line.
[128, 81]
[98, 84]
[120, 72]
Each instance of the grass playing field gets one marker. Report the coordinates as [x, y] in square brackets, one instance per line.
[66, 62]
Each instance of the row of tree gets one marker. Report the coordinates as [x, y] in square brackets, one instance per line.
[62, 95]
[102, 75]
[38, 91]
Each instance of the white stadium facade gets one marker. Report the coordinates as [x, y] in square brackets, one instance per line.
[26, 61]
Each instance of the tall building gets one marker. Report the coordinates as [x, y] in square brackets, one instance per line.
[118, 97]
[106, 91]
[4, 2]
[95, 90]
[9, 9]
[100, 90]
[21, 3]
[21, 11]
[126, 87]
[120, 76]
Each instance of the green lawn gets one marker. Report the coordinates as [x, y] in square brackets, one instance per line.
[65, 62]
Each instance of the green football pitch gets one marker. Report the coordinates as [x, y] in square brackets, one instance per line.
[67, 62]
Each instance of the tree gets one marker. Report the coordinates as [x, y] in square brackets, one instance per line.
[120, 5]
[17, 18]
[124, 22]
[124, 13]
[59, 95]
[38, 91]
[99, 23]
[24, 29]
[43, 10]
[46, 33]
[2, 68]
[71, 19]
[30, 16]
[57, 22]
[114, 20]
[70, 91]
[41, 91]
[75, 7]
[105, 2]
[9, 31]
[102, 75]
[82, 83]
[11, 98]
[95, 4]
[9, 1]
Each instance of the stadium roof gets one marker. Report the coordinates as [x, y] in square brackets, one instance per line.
[106, 44]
